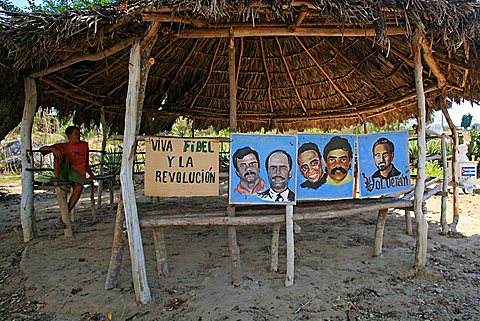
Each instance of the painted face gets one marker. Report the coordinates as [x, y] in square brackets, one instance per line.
[279, 172]
[338, 164]
[310, 165]
[382, 156]
[247, 168]
[74, 136]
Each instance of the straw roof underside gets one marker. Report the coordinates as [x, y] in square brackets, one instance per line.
[283, 81]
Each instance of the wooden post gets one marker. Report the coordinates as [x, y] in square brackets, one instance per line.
[27, 213]
[408, 223]
[422, 226]
[139, 274]
[290, 246]
[233, 249]
[103, 123]
[232, 82]
[160, 252]
[113, 273]
[443, 211]
[110, 189]
[379, 228]
[274, 249]
[92, 200]
[455, 167]
[61, 194]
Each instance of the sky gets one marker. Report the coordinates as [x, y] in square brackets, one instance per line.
[456, 112]
[20, 3]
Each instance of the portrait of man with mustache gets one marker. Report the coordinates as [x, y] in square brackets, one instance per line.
[279, 170]
[338, 161]
[247, 168]
[383, 154]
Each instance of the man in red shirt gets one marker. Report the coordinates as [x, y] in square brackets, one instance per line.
[71, 162]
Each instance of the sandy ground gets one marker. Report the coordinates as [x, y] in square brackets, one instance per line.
[336, 277]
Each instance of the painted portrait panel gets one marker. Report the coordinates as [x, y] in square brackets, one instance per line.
[325, 166]
[262, 169]
[383, 163]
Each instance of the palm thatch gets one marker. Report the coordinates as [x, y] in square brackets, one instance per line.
[299, 64]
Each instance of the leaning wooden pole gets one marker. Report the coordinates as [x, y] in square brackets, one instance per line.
[113, 274]
[27, 215]
[455, 166]
[422, 226]
[139, 274]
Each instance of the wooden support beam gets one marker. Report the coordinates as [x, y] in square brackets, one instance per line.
[290, 76]
[27, 212]
[208, 76]
[274, 247]
[84, 57]
[103, 125]
[239, 62]
[61, 193]
[443, 208]
[233, 249]
[69, 93]
[289, 278]
[302, 13]
[113, 275]
[249, 31]
[379, 229]
[269, 89]
[422, 225]
[431, 62]
[330, 80]
[160, 252]
[159, 17]
[364, 77]
[455, 166]
[139, 275]
[232, 83]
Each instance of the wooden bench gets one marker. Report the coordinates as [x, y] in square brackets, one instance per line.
[275, 216]
[61, 191]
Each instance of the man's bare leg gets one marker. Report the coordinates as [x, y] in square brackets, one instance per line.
[77, 191]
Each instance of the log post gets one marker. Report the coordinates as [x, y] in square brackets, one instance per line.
[103, 124]
[422, 225]
[233, 249]
[110, 189]
[443, 211]
[274, 249]
[113, 274]
[61, 195]
[139, 274]
[379, 228]
[290, 246]
[232, 231]
[160, 252]
[408, 223]
[455, 166]
[27, 213]
[232, 83]
[92, 200]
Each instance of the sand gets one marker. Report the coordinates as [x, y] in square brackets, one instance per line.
[336, 277]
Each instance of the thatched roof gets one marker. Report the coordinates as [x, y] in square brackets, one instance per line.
[359, 70]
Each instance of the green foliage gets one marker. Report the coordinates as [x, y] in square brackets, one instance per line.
[432, 169]
[466, 120]
[474, 145]
[58, 6]
[113, 159]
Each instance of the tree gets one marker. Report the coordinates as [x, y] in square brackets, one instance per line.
[466, 121]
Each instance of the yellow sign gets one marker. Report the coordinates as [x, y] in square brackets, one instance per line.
[181, 167]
